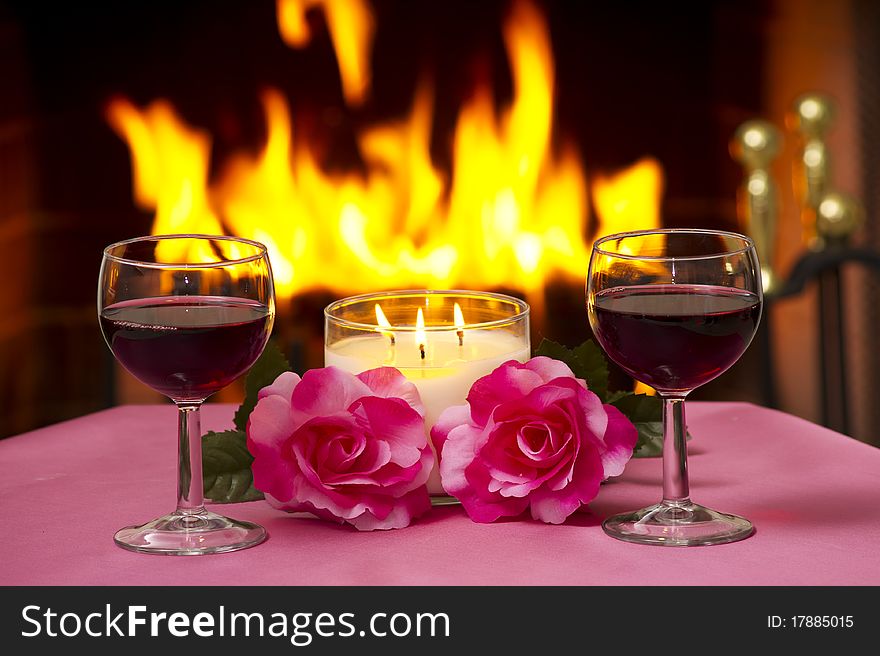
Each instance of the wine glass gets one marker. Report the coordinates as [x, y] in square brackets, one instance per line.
[186, 315]
[675, 309]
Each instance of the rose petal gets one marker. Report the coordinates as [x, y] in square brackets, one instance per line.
[388, 382]
[554, 506]
[592, 412]
[559, 469]
[502, 459]
[327, 391]
[467, 479]
[339, 452]
[541, 401]
[508, 382]
[423, 473]
[283, 386]
[365, 471]
[400, 426]
[452, 417]
[406, 509]
[558, 392]
[345, 506]
[481, 504]
[548, 368]
[274, 473]
[269, 424]
[536, 440]
[458, 452]
[618, 442]
[268, 430]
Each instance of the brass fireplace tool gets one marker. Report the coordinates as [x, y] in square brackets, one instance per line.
[829, 217]
[755, 145]
[829, 220]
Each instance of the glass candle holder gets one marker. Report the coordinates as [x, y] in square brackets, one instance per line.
[442, 341]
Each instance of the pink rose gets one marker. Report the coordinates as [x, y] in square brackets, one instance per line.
[343, 447]
[531, 436]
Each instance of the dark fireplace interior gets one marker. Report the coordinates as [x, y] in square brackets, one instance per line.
[669, 81]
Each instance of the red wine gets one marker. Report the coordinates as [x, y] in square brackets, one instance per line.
[675, 337]
[186, 347]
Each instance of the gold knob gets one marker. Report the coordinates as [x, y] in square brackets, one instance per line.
[838, 216]
[755, 144]
[812, 115]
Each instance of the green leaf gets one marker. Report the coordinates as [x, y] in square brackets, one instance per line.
[650, 442]
[595, 368]
[613, 397]
[266, 369]
[646, 414]
[226, 467]
[640, 407]
[586, 362]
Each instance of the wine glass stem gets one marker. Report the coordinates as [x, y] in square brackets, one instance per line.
[675, 476]
[190, 493]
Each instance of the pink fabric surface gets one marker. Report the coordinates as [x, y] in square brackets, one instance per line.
[812, 494]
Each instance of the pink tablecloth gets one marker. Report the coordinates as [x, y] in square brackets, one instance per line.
[813, 495]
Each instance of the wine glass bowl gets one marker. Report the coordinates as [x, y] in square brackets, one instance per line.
[186, 347]
[186, 315]
[675, 309]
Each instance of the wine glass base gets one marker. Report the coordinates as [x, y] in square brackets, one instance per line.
[190, 534]
[678, 524]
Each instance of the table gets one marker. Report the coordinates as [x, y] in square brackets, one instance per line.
[812, 494]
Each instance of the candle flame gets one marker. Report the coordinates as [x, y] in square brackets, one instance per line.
[382, 320]
[459, 323]
[420, 333]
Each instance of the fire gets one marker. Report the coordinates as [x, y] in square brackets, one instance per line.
[629, 200]
[458, 319]
[170, 168]
[382, 320]
[351, 29]
[511, 212]
[419, 335]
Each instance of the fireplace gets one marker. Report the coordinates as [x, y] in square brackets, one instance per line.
[371, 145]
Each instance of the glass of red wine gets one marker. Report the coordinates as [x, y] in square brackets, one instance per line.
[675, 309]
[186, 315]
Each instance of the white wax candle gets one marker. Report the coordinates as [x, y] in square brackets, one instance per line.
[445, 375]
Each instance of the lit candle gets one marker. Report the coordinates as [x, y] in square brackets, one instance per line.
[459, 323]
[447, 355]
[420, 333]
[382, 320]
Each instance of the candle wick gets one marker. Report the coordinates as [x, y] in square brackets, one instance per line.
[422, 350]
[460, 334]
[393, 340]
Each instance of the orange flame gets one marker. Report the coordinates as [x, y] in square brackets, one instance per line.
[630, 199]
[458, 317]
[511, 212]
[382, 320]
[351, 27]
[170, 169]
[419, 335]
